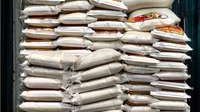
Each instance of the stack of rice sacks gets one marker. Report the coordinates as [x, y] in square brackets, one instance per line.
[103, 56]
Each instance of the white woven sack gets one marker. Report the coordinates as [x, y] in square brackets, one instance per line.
[72, 42]
[79, 5]
[44, 107]
[170, 66]
[167, 95]
[42, 22]
[136, 37]
[113, 111]
[77, 18]
[104, 36]
[40, 10]
[37, 45]
[171, 85]
[45, 2]
[137, 109]
[109, 4]
[170, 56]
[42, 95]
[107, 14]
[174, 47]
[140, 4]
[96, 58]
[73, 31]
[172, 76]
[139, 60]
[100, 106]
[42, 83]
[170, 105]
[98, 72]
[138, 49]
[139, 88]
[95, 96]
[94, 84]
[140, 69]
[102, 45]
[107, 25]
[149, 19]
[170, 33]
[40, 33]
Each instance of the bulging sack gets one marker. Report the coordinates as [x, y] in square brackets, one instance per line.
[102, 45]
[40, 33]
[151, 18]
[170, 56]
[138, 49]
[136, 37]
[139, 60]
[45, 2]
[77, 18]
[38, 45]
[73, 31]
[44, 107]
[42, 95]
[137, 108]
[170, 33]
[167, 95]
[171, 85]
[94, 84]
[113, 111]
[98, 72]
[140, 69]
[140, 4]
[174, 47]
[170, 105]
[107, 25]
[107, 14]
[73, 42]
[104, 36]
[42, 22]
[173, 76]
[41, 10]
[79, 5]
[138, 88]
[96, 58]
[42, 83]
[109, 4]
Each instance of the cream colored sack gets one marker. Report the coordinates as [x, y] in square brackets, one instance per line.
[45, 2]
[138, 49]
[139, 88]
[44, 107]
[104, 36]
[37, 45]
[171, 85]
[140, 4]
[173, 76]
[109, 4]
[41, 10]
[107, 14]
[73, 31]
[42, 83]
[136, 37]
[113, 111]
[77, 18]
[96, 58]
[72, 42]
[138, 60]
[78, 5]
[166, 46]
[107, 25]
[151, 18]
[140, 69]
[170, 56]
[42, 22]
[102, 45]
[137, 108]
[42, 95]
[167, 95]
[40, 33]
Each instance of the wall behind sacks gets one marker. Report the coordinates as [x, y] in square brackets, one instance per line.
[188, 10]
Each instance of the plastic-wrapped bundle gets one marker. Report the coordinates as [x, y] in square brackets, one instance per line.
[42, 22]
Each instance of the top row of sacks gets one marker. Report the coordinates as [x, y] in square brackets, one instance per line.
[120, 5]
